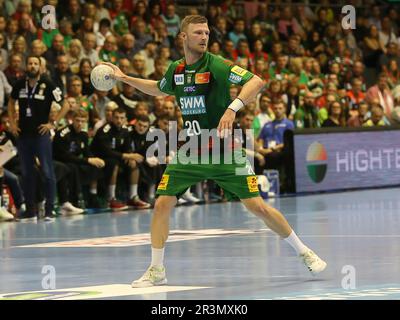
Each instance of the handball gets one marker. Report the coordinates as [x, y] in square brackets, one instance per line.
[101, 77]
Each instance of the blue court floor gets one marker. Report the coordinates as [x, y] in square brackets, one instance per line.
[215, 251]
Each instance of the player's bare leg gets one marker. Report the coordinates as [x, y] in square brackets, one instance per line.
[277, 223]
[155, 275]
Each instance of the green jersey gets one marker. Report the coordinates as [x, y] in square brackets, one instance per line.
[202, 89]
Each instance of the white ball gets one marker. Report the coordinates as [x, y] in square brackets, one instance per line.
[101, 79]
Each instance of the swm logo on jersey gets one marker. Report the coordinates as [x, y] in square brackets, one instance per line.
[193, 105]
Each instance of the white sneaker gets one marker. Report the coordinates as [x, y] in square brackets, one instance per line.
[154, 276]
[181, 201]
[5, 215]
[314, 263]
[190, 198]
[68, 208]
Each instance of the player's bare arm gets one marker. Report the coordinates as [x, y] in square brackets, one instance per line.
[147, 86]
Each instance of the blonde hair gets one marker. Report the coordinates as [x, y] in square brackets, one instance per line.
[192, 19]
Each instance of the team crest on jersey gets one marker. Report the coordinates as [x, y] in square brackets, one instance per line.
[193, 105]
[239, 71]
[252, 183]
[179, 79]
[202, 78]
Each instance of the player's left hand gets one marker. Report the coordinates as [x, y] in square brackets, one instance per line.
[45, 128]
[225, 124]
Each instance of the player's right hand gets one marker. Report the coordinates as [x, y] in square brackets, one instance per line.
[118, 74]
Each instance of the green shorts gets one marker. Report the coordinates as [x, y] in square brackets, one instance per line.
[237, 180]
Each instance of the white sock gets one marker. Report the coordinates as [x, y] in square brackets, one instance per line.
[132, 190]
[296, 243]
[111, 191]
[157, 257]
[152, 191]
[93, 190]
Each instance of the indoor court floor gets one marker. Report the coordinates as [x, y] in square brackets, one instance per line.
[215, 251]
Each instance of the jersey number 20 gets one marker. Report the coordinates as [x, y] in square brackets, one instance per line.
[193, 128]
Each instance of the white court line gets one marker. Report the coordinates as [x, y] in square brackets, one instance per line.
[94, 292]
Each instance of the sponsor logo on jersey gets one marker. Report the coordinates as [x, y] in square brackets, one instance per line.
[193, 105]
[252, 183]
[239, 71]
[189, 89]
[163, 82]
[202, 78]
[234, 78]
[164, 182]
[179, 79]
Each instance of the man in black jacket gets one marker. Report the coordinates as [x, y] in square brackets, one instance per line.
[71, 148]
[112, 143]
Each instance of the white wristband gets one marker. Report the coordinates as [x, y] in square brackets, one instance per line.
[236, 105]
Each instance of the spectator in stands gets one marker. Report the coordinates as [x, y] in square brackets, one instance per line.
[75, 55]
[377, 117]
[26, 28]
[11, 33]
[392, 53]
[99, 99]
[271, 139]
[149, 53]
[160, 67]
[104, 31]
[238, 32]
[172, 20]
[355, 95]
[14, 71]
[306, 115]
[373, 47]
[112, 143]
[127, 47]
[127, 100]
[75, 91]
[119, 17]
[85, 68]
[248, 142]
[108, 52]
[358, 120]
[381, 92]
[61, 73]
[177, 50]
[55, 50]
[38, 48]
[142, 35]
[139, 66]
[336, 117]
[20, 47]
[219, 30]
[386, 34]
[89, 45]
